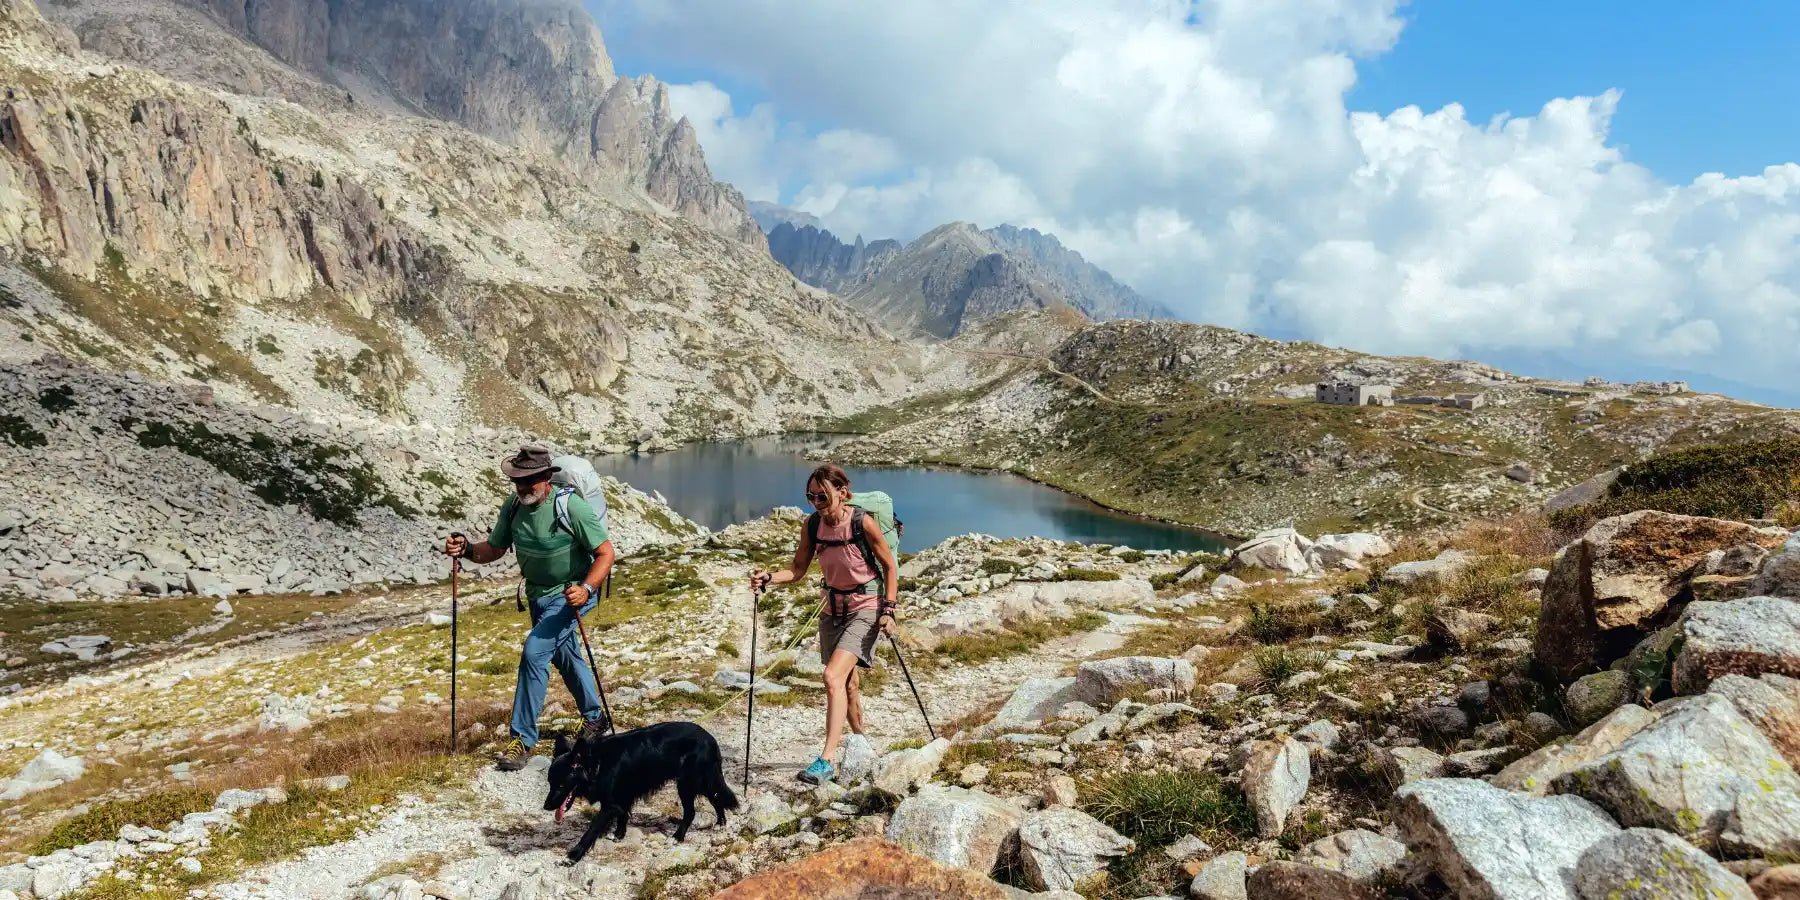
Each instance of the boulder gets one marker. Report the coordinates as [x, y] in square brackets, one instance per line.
[1694, 771]
[45, 771]
[1276, 776]
[1364, 856]
[899, 772]
[1347, 551]
[858, 759]
[955, 826]
[1035, 700]
[1780, 575]
[1778, 883]
[1276, 550]
[1591, 697]
[1611, 587]
[1489, 844]
[85, 647]
[1226, 584]
[1444, 565]
[1222, 878]
[1456, 629]
[1105, 682]
[1772, 704]
[767, 812]
[1743, 637]
[1405, 765]
[865, 867]
[1059, 847]
[1295, 881]
[1647, 864]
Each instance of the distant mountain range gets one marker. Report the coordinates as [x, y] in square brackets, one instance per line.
[952, 277]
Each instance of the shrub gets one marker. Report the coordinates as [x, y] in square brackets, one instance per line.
[19, 433]
[1077, 573]
[1749, 480]
[57, 399]
[994, 565]
[1270, 623]
[1157, 808]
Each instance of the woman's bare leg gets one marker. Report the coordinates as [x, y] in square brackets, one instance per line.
[837, 677]
[853, 710]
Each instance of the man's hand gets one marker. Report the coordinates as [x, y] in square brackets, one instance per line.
[456, 546]
[578, 594]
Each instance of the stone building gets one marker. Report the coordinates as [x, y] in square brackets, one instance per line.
[1345, 394]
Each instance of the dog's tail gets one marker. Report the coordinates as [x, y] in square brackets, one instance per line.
[720, 790]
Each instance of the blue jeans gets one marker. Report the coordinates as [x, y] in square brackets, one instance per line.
[552, 639]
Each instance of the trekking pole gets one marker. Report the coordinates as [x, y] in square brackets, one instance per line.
[455, 569]
[909, 683]
[750, 717]
[605, 710]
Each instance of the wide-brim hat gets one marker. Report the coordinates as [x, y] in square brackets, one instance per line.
[529, 461]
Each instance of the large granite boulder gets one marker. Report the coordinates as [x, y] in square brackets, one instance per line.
[1647, 864]
[955, 826]
[1534, 772]
[1104, 682]
[1347, 551]
[1490, 844]
[1277, 550]
[1614, 585]
[1060, 847]
[866, 867]
[1742, 637]
[1275, 778]
[900, 771]
[1035, 700]
[1780, 575]
[1295, 881]
[1772, 703]
[1364, 856]
[1701, 771]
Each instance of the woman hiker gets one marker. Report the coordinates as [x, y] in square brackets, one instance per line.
[861, 586]
[563, 564]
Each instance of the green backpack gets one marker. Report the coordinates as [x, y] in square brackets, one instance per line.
[877, 504]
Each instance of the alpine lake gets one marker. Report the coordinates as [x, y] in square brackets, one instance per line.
[722, 483]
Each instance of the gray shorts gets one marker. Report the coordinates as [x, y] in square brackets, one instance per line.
[855, 633]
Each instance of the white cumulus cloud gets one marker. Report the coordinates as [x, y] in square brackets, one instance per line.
[1204, 152]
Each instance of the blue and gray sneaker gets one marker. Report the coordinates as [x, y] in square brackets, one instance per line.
[818, 773]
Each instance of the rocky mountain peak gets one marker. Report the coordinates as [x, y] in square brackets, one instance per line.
[531, 73]
[956, 274]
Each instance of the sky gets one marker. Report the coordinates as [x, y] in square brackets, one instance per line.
[1564, 189]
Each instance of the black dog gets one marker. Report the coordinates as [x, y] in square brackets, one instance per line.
[618, 771]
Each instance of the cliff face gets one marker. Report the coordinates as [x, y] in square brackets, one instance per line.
[531, 73]
[337, 260]
[956, 275]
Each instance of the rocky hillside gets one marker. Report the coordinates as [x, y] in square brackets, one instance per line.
[355, 262]
[1219, 428]
[955, 276]
[1351, 716]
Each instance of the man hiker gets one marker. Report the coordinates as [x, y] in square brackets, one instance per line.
[563, 564]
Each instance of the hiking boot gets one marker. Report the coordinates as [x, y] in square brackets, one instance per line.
[594, 728]
[513, 756]
[818, 773]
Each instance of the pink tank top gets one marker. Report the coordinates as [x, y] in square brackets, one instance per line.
[844, 567]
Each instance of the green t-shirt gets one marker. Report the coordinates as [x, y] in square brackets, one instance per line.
[549, 558]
